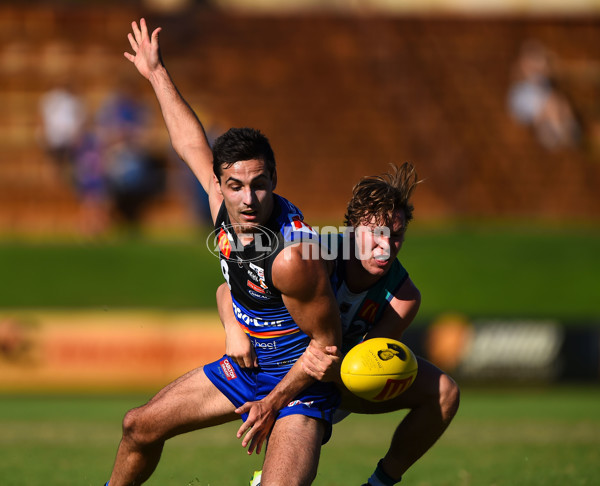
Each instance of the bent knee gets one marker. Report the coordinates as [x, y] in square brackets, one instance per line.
[449, 397]
[137, 429]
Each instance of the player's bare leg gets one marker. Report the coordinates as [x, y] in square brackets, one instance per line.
[189, 403]
[292, 456]
[433, 400]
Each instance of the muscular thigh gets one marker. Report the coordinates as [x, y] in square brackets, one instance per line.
[189, 403]
[425, 387]
[293, 451]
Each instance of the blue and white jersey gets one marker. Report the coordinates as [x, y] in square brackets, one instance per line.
[257, 303]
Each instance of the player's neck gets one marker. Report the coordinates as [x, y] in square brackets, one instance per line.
[357, 278]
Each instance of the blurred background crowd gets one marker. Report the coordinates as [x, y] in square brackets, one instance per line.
[498, 110]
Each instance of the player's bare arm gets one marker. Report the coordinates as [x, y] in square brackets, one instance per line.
[185, 129]
[237, 343]
[400, 313]
[323, 365]
[307, 294]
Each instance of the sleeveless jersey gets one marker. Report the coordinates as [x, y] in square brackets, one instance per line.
[257, 304]
[359, 312]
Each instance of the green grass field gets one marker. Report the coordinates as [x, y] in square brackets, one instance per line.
[500, 437]
[479, 271]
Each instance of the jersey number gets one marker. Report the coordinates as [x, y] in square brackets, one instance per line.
[225, 271]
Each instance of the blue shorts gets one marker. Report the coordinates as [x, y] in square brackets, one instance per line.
[241, 385]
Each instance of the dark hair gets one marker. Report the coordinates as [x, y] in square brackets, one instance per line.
[242, 144]
[381, 196]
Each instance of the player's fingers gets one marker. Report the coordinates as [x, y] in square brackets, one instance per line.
[143, 28]
[314, 357]
[332, 350]
[242, 430]
[310, 362]
[307, 370]
[255, 445]
[129, 56]
[155, 33]
[248, 440]
[132, 42]
[252, 438]
[136, 31]
[259, 446]
[313, 373]
[260, 439]
[243, 408]
[317, 353]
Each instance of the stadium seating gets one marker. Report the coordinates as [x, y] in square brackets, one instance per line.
[339, 97]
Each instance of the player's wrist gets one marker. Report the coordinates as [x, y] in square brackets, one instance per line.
[158, 75]
[272, 405]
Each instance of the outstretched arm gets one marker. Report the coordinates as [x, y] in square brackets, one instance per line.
[185, 129]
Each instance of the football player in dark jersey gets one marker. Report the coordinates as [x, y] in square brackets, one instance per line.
[376, 298]
[284, 302]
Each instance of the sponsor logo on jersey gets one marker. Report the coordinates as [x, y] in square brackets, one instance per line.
[224, 243]
[257, 295]
[394, 387]
[264, 345]
[227, 369]
[368, 311]
[255, 287]
[253, 276]
[244, 318]
[258, 274]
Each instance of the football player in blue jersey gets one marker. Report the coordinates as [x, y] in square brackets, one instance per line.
[284, 302]
[376, 298]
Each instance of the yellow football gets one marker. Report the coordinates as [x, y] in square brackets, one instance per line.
[379, 369]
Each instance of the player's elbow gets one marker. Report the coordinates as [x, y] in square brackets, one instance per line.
[222, 295]
[415, 295]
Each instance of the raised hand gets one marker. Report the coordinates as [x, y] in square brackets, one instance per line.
[146, 57]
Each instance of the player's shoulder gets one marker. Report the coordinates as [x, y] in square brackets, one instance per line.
[397, 271]
[289, 221]
[298, 269]
[396, 278]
